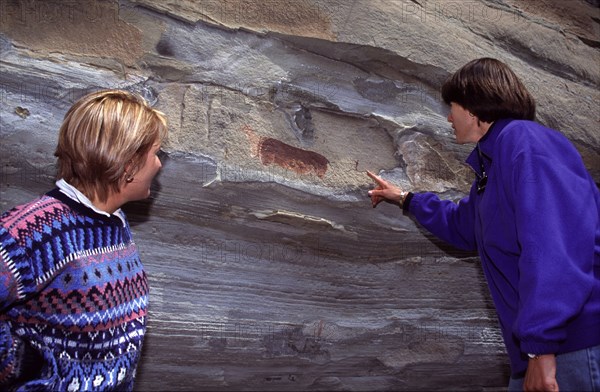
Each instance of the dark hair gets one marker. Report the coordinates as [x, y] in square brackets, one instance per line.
[489, 89]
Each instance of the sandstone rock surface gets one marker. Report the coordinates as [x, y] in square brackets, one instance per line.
[269, 269]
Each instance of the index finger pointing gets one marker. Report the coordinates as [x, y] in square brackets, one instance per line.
[376, 178]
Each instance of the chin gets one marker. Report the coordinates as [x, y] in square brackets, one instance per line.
[143, 196]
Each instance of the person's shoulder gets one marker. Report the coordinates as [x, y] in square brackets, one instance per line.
[525, 135]
[531, 138]
[520, 129]
[42, 211]
[530, 129]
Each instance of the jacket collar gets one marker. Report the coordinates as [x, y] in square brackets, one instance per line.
[486, 145]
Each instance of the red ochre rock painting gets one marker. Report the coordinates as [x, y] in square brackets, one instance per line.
[290, 157]
[273, 151]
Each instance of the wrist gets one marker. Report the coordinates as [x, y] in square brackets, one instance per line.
[403, 195]
[406, 200]
[538, 356]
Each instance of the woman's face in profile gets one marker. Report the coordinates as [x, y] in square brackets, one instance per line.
[139, 188]
[463, 123]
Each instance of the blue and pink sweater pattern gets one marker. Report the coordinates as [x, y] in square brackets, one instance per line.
[73, 298]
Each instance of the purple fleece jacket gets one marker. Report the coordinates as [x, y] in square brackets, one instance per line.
[536, 227]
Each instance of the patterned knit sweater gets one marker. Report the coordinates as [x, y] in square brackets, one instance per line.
[73, 298]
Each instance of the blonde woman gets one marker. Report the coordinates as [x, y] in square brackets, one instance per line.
[73, 292]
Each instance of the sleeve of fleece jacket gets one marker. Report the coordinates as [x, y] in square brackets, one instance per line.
[556, 217]
[449, 221]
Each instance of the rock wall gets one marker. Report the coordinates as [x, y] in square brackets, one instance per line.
[269, 269]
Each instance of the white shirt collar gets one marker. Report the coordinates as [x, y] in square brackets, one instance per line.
[76, 195]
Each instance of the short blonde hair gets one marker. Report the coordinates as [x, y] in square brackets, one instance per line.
[103, 134]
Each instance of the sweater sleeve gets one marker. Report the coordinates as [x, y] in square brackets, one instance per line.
[556, 219]
[9, 250]
[7, 353]
[8, 294]
[449, 221]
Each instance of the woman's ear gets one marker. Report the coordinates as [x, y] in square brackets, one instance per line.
[129, 172]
